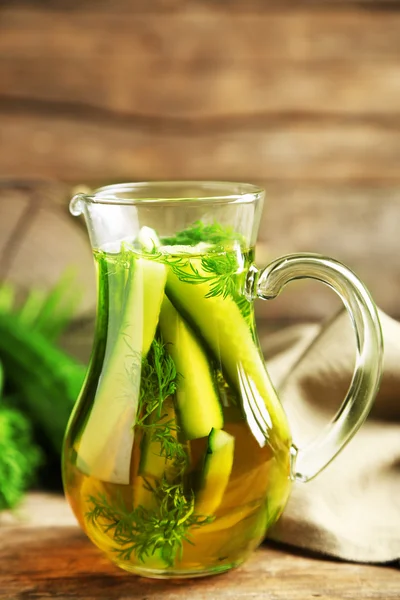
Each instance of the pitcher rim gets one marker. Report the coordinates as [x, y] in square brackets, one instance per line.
[231, 192]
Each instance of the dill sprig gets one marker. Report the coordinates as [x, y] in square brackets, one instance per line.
[221, 271]
[218, 270]
[213, 233]
[19, 456]
[221, 268]
[144, 531]
[158, 381]
[218, 267]
[165, 434]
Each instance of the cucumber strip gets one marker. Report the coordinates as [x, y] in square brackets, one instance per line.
[105, 447]
[198, 406]
[225, 331]
[217, 469]
[116, 278]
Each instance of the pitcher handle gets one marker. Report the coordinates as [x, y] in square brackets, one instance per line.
[364, 386]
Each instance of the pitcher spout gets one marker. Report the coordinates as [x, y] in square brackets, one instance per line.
[76, 205]
[109, 223]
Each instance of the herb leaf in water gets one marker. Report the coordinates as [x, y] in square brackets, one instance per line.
[221, 271]
[158, 381]
[214, 233]
[144, 531]
[221, 266]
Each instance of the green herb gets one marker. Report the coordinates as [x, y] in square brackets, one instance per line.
[45, 380]
[51, 313]
[47, 313]
[164, 432]
[144, 531]
[42, 383]
[7, 297]
[19, 456]
[214, 233]
[221, 271]
[158, 381]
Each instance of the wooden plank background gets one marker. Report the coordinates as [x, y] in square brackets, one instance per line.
[302, 97]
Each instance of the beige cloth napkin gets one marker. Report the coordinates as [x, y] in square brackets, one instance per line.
[352, 509]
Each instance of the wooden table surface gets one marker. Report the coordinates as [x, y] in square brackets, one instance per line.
[47, 556]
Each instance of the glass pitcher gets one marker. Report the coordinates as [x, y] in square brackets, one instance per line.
[178, 456]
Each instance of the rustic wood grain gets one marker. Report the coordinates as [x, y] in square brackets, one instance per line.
[223, 90]
[202, 67]
[39, 240]
[48, 557]
[74, 149]
[151, 6]
[298, 34]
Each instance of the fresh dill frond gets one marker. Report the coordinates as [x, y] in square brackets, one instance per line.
[213, 233]
[222, 272]
[165, 433]
[145, 531]
[218, 269]
[19, 456]
[158, 381]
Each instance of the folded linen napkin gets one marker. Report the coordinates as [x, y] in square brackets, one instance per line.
[352, 509]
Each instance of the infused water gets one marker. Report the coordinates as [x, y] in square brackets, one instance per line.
[177, 457]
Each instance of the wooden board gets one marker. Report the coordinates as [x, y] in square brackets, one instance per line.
[191, 65]
[151, 6]
[48, 557]
[85, 149]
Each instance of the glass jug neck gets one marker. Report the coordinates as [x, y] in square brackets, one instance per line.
[161, 192]
[118, 213]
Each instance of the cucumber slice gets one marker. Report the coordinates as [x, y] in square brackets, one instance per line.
[217, 469]
[230, 339]
[197, 400]
[106, 444]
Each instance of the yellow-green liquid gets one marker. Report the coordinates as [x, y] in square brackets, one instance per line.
[258, 484]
